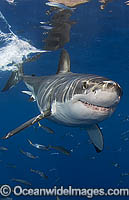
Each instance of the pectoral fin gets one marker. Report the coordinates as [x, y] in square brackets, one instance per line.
[27, 124]
[96, 137]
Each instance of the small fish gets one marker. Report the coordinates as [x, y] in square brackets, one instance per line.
[126, 119]
[43, 175]
[29, 155]
[124, 174]
[59, 5]
[61, 149]
[3, 149]
[47, 27]
[72, 150]
[125, 133]
[120, 182]
[68, 134]
[53, 169]
[10, 165]
[21, 181]
[58, 179]
[118, 150]
[48, 130]
[55, 153]
[43, 22]
[126, 139]
[39, 146]
[116, 165]
[92, 158]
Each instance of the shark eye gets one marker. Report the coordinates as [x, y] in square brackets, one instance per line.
[84, 85]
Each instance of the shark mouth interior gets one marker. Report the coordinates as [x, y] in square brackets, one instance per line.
[95, 107]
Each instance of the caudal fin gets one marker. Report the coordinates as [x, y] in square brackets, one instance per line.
[15, 78]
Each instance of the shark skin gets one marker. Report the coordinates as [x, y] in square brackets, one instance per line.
[71, 99]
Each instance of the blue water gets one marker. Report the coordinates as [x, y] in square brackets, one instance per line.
[99, 44]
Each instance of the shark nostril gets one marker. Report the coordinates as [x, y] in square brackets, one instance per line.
[110, 85]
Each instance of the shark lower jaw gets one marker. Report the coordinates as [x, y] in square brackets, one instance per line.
[96, 107]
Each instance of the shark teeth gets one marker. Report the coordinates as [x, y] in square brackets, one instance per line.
[94, 107]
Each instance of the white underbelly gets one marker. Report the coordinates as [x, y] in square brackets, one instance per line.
[75, 114]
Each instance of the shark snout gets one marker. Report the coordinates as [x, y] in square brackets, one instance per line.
[115, 86]
[118, 90]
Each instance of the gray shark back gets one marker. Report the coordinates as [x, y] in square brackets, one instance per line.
[33, 82]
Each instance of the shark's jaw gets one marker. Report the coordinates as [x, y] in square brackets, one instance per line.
[95, 107]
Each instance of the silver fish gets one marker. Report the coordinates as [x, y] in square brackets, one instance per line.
[39, 146]
[116, 165]
[53, 169]
[55, 153]
[124, 174]
[29, 155]
[49, 130]
[21, 181]
[3, 148]
[42, 174]
[47, 27]
[10, 165]
[59, 5]
[60, 149]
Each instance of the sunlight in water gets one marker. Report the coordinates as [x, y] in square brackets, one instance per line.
[13, 50]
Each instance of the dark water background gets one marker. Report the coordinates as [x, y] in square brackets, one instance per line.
[99, 44]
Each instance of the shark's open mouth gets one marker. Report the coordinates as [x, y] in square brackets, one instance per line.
[95, 107]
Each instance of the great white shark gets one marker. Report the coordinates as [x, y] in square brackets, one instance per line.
[72, 99]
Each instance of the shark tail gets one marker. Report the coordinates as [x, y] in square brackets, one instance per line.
[15, 78]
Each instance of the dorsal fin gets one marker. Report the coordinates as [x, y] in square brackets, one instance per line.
[64, 62]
